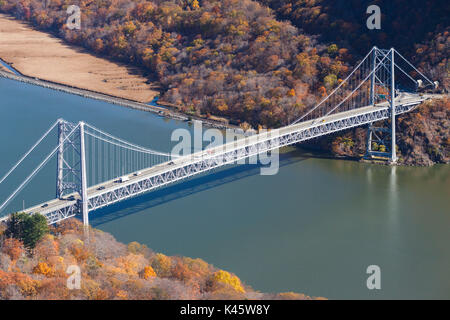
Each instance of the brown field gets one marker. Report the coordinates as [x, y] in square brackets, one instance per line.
[38, 54]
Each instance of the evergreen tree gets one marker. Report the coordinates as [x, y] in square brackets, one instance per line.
[27, 228]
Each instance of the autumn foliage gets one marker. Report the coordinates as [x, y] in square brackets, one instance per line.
[229, 58]
[223, 278]
[13, 248]
[109, 270]
[241, 60]
[418, 28]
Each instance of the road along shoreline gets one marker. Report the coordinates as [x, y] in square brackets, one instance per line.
[111, 99]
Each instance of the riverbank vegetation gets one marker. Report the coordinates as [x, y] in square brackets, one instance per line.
[228, 58]
[109, 269]
[236, 58]
[419, 29]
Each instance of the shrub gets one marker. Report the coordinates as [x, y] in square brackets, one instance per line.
[148, 273]
[13, 248]
[162, 265]
[43, 268]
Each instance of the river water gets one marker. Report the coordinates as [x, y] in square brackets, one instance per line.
[313, 228]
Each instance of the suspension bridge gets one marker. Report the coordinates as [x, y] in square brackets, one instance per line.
[96, 169]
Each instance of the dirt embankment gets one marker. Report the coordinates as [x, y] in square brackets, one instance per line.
[38, 54]
[423, 137]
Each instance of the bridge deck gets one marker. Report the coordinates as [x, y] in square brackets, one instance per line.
[110, 186]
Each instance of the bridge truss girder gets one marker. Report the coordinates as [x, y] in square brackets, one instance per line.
[182, 172]
[63, 213]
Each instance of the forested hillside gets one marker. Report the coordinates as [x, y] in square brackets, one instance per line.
[34, 264]
[230, 57]
[234, 58]
[419, 29]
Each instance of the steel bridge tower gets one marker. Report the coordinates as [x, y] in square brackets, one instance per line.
[71, 166]
[382, 87]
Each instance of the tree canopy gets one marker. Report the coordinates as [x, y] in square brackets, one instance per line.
[27, 228]
[255, 62]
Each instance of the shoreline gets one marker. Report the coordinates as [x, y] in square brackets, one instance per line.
[38, 54]
[39, 58]
[161, 111]
[6, 67]
[90, 94]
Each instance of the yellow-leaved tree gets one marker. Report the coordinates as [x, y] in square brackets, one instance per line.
[148, 273]
[195, 4]
[43, 268]
[162, 265]
[224, 277]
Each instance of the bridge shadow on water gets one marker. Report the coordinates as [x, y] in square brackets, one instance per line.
[185, 188]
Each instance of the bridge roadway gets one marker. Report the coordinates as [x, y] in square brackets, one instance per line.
[183, 167]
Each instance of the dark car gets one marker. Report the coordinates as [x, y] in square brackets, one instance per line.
[101, 188]
[45, 205]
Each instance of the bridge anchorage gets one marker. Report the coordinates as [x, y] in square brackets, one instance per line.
[96, 169]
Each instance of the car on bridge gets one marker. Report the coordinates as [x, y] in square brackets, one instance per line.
[124, 179]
